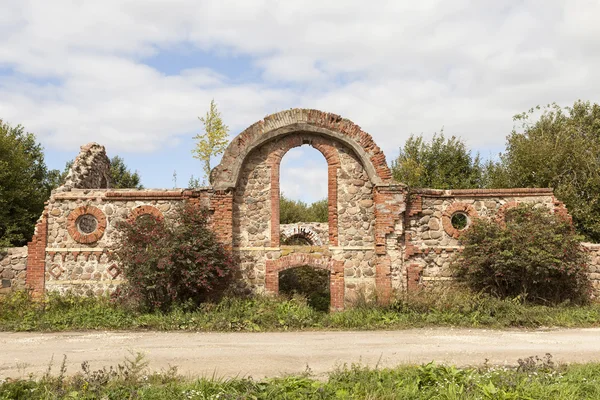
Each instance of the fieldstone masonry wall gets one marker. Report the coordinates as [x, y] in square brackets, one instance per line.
[380, 237]
[13, 262]
[431, 241]
[594, 267]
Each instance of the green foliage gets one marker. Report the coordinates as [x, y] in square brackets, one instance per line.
[313, 283]
[24, 184]
[292, 211]
[122, 177]
[541, 379]
[213, 141]
[535, 254]
[560, 149]
[172, 262]
[439, 164]
[428, 308]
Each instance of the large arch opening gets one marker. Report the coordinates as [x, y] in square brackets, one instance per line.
[303, 197]
[329, 207]
[309, 282]
[303, 186]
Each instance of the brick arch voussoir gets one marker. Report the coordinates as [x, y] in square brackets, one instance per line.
[330, 125]
[145, 210]
[500, 217]
[304, 232]
[302, 260]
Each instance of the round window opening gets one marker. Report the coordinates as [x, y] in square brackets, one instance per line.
[146, 219]
[86, 224]
[459, 221]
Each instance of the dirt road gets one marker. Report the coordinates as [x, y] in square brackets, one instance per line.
[273, 354]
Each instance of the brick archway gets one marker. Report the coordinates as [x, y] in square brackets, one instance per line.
[333, 164]
[304, 232]
[328, 125]
[335, 268]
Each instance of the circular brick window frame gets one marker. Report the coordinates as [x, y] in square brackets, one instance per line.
[500, 217]
[454, 208]
[77, 234]
[145, 210]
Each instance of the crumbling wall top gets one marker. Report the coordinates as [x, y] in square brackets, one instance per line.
[90, 169]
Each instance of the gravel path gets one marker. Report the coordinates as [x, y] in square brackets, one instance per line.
[272, 354]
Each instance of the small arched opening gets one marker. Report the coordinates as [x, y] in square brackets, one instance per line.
[309, 282]
[322, 271]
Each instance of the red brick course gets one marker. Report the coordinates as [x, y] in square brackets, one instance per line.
[222, 220]
[413, 277]
[36, 257]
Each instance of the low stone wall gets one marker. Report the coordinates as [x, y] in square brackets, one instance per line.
[13, 267]
[594, 266]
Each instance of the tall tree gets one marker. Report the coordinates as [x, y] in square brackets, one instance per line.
[558, 149]
[24, 184]
[440, 164]
[292, 211]
[213, 141]
[122, 177]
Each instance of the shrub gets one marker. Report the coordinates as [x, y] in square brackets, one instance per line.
[172, 262]
[533, 254]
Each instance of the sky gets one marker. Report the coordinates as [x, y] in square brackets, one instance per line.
[135, 75]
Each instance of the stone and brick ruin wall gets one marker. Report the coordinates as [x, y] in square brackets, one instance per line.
[431, 240]
[380, 236]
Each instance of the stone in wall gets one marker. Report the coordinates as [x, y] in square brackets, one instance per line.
[13, 269]
[90, 169]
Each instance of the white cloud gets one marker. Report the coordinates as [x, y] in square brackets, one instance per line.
[395, 67]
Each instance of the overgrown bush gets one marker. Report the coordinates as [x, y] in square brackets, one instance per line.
[172, 262]
[533, 254]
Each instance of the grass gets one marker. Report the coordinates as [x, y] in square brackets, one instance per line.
[532, 378]
[18, 312]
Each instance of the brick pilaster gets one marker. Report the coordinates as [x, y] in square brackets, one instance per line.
[222, 221]
[36, 257]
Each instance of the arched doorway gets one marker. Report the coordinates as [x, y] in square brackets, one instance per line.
[311, 283]
[333, 268]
